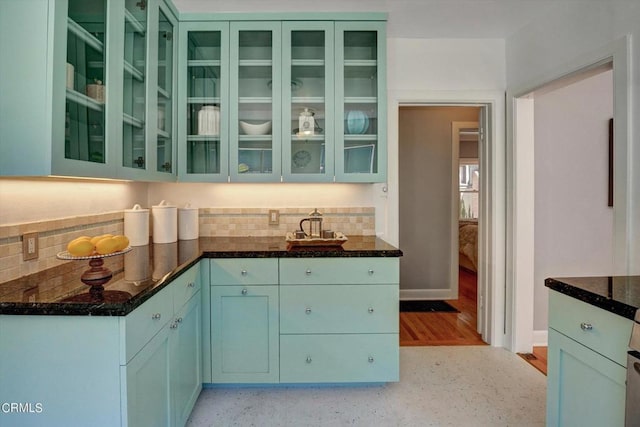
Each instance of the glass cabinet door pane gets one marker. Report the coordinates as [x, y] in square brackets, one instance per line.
[134, 146]
[308, 102]
[204, 102]
[360, 102]
[165, 94]
[85, 92]
[255, 105]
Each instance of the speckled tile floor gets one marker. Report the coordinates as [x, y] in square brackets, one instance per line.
[439, 386]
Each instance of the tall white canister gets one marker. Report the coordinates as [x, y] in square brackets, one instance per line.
[188, 223]
[136, 225]
[165, 223]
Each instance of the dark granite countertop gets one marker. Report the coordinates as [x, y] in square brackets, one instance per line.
[142, 272]
[617, 294]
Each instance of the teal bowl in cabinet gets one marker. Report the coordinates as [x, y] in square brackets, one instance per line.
[357, 122]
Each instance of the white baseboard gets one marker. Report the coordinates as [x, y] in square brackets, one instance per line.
[540, 338]
[426, 294]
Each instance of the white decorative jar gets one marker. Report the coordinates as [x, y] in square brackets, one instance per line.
[209, 120]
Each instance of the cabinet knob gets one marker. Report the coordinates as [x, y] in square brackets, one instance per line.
[308, 310]
[243, 272]
[191, 284]
[371, 359]
[244, 291]
[586, 326]
[308, 359]
[156, 316]
[179, 320]
[174, 325]
[370, 310]
[308, 272]
[371, 272]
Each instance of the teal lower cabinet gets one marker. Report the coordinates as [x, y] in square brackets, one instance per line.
[586, 364]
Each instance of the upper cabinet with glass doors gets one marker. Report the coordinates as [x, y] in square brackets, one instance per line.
[204, 102]
[361, 150]
[308, 101]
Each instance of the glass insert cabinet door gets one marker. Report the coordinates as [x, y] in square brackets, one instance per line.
[360, 82]
[134, 153]
[256, 96]
[308, 100]
[205, 53]
[165, 94]
[85, 82]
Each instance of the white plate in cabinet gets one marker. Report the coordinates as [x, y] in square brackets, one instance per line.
[346, 270]
[339, 358]
[339, 309]
[244, 271]
[145, 321]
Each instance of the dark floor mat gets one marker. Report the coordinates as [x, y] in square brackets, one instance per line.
[431, 305]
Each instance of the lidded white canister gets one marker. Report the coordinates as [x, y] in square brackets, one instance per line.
[165, 223]
[136, 225]
[188, 223]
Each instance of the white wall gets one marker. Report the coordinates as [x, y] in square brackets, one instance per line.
[573, 224]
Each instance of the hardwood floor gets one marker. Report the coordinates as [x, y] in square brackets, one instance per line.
[537, 359]
[425, 329]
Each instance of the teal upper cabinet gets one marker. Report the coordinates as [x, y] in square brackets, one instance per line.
[361, 149]
[308, 101]
[255, 129]
[203, 89]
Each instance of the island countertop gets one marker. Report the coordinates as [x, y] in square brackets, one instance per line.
[617, 294]
[145, 270]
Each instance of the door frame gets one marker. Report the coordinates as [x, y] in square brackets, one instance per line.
[491, 278]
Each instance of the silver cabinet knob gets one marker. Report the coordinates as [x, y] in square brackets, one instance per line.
[244, 291]
[191, 285]
[308, 310]
[308, 359]
[371, 272]
[370, 310]
[308, 272]
[174, 325]
[179, 320]
[243, 272]
[371, 359]
[586, 326]
[156, 316]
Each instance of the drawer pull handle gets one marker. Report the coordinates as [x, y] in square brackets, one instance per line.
[308, 310]
[244, 291]
[370, 310]
[174, 325]
[156, 316]
[308, 359]
[191, 285]
[243, 272]
[308, 272]
[371, 359]
[586, 326]
[371, 272]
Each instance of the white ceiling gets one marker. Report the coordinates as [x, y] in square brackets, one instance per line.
[407, 18]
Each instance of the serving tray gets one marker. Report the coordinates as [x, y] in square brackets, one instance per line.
[338, 240]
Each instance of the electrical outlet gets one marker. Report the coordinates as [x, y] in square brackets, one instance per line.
[274, 217]
[29, 246]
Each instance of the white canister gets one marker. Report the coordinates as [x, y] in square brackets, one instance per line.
[165, 223]
[161, 123]
[136, 225]
[188, 223]
[209, 120]
[70, 76]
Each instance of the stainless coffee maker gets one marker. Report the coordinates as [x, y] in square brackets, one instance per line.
[315, 225]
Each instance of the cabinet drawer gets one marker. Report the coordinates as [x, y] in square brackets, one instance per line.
[244, 271]
[318, 271]
[339, 358]
[185, 286]
[145, 321]
[339, 309]
[609, 334]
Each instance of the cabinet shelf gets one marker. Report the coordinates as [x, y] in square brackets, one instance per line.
[308, 100]
[84, 100]
[249, 138]
[163, 93]
[203, 138]
[359, 138]
[307, 63]
[203, 63]
[133, 71]
[84, 35]
[360, 100]
[163, 134]
[131, 20]
[306, 138]
[130, 120]
[203, 100]
[255, 100]
[255, 63]
[360, 63]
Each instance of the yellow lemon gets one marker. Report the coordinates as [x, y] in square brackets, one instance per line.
[81, 247]
[81, 238]
[96, 239]
[123, 242]
[106, 246]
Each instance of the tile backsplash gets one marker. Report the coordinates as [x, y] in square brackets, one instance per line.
[54, 234]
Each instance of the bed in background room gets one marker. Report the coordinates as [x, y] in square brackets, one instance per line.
[468, 244]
